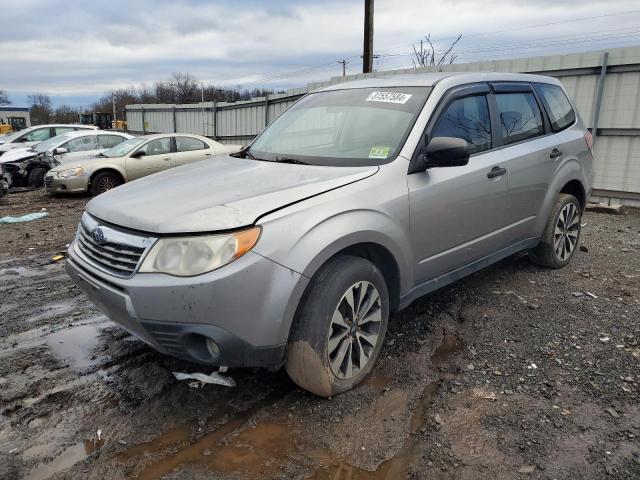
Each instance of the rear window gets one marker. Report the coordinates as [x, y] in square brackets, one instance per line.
[557, 105]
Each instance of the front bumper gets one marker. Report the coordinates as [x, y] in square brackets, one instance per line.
[245, 307]
[54, 184]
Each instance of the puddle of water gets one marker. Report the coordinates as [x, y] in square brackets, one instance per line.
[67, 459]
[75, 344]
[52, 310]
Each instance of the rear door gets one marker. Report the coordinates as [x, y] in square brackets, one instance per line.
[157, 156]
[191, 149]
[530, 154]
[458, 213]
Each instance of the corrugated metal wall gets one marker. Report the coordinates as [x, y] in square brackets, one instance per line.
[618, 122]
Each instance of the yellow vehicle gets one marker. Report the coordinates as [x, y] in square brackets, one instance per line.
[5, 127]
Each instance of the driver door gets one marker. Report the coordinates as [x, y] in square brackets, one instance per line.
[154, 156]
[457, 213]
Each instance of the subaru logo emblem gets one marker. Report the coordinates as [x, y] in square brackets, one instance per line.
[98, 235]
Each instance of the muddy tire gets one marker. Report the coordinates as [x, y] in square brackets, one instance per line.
[339, 327]
[561, 234]
[104, 181]
[36, 177]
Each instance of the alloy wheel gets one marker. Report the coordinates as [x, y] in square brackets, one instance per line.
[107, 183]
[565, 237]
[355, 330]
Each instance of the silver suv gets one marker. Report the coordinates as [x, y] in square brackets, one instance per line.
[359, 199]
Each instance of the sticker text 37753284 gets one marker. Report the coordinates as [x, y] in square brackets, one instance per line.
[388, 97]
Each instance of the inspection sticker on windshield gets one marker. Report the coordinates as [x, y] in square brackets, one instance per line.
[379, 152]
[388, 97]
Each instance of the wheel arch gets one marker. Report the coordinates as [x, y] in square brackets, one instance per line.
[104, 170]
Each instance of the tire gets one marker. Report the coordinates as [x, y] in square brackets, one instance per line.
[559, 243]
[313, 358]
[104, 182]
[36, 177]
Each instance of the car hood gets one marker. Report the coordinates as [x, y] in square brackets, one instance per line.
[17, 154]
[65, 163]
[214, 195]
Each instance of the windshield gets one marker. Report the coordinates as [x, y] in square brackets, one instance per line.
[364, 126]
[51, 143]
[123, 148]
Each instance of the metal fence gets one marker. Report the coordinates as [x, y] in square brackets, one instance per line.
[605, 86]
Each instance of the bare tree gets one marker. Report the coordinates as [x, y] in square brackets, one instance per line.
[66, 114]
[426, 55]
[40, 110]
[4, 97]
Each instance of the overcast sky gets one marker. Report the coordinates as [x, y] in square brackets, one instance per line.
[77, 50]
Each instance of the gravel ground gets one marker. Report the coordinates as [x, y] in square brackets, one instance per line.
[514, 372]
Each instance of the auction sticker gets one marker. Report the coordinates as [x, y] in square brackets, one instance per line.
[379, 152]
[388, 97]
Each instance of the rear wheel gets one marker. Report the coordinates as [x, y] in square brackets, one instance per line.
[339, 328]
[104, 182]
[561, 235]
[36, 177]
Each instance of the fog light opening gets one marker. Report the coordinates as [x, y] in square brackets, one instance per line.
[213, 348]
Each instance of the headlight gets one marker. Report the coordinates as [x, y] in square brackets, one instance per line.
[72, 172]
[190, 256]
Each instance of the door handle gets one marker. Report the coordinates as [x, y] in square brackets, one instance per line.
[207, 154]
[167, 159]
[555, 153]
[496, 172]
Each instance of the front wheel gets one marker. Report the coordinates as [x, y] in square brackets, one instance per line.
[36, 177]
[561, 235]
[105, 181]
[339, 327]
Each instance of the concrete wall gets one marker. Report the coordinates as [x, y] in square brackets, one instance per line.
[615, 72]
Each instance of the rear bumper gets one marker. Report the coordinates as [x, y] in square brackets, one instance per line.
[246, 308]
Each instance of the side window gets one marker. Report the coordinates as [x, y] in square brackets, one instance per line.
[557, 105]
[158, 146]
[37, 135]
[466, 118]
[81, 144]
[108, 141]
[520, 117]
[188, 144]
[61, 130]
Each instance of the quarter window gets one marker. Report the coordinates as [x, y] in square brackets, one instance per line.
[558, 106]
[189, 144]
[520, 117]
[466, 118]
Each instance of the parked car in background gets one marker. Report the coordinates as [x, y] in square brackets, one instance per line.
[34, 135]
[26, 167]
[132, 159]
[356, 201]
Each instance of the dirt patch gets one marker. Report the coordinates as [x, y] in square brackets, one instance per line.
[515, 372]
[49, 234]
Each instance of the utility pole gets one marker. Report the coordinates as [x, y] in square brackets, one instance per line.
[115, 118]
[344, 66]
[367, 55]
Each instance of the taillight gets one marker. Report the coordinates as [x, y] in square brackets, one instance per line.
[589, 139]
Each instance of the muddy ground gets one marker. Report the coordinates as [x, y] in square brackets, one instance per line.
[515, 372]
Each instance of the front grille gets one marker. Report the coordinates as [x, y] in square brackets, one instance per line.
[48, 181]
[115, 251]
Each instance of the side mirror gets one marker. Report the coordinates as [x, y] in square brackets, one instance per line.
[60, 151]
[138, 154]
[443, 152]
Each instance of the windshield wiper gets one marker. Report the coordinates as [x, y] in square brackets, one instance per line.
[289, 160]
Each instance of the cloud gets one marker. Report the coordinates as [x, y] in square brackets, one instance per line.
[84, 48]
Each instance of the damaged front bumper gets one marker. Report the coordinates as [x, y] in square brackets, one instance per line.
[21, 172]
[244, 308]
